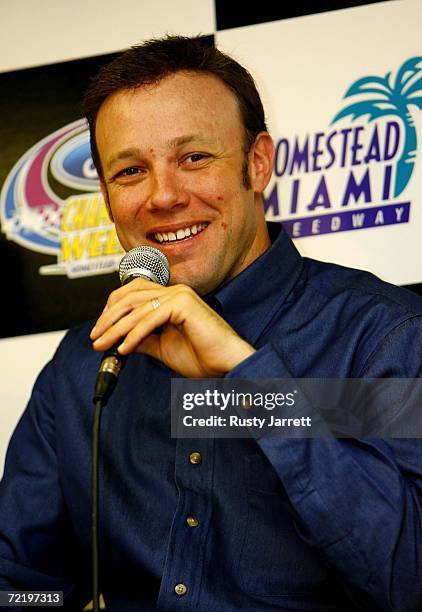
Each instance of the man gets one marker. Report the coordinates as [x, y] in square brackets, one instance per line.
[180, 143]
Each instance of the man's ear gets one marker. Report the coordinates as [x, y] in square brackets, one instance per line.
[261, 158]
[106, 198]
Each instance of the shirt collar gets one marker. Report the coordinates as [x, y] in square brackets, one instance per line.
[249, 300]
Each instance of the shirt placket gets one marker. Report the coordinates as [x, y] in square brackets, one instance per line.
[186, 551]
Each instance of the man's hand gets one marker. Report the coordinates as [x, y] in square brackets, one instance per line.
[195, 341]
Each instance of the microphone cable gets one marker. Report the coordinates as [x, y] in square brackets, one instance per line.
[151, 264]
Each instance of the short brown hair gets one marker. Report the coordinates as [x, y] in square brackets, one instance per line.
[151, 61]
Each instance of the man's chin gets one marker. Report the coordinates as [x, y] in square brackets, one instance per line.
[200, 283]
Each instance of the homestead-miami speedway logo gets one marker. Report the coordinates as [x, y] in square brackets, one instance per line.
[51, 203]
[353, 175]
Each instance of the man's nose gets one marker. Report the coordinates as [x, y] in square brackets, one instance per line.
[166, 189]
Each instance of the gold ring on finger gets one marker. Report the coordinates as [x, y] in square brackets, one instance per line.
[155, 303]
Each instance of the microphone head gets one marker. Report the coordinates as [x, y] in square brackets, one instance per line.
[145, 262]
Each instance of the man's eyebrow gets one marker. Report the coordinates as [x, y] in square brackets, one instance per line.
[181, 140]
[124, 154]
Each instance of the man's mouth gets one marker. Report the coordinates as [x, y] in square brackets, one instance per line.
[181, 233]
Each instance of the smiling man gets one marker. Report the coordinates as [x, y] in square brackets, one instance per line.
[173, 154]
[178, 172]
[179, 139]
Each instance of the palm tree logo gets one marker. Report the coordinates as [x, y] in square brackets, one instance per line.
[391, 98]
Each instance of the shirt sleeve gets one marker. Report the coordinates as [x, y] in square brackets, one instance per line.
[38, 548]
[358, 501]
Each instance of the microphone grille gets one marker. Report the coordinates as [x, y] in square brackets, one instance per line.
[147, 262]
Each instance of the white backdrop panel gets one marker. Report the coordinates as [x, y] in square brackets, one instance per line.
[36, 32]
[21, 360]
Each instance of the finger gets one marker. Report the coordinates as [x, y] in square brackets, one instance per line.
[143, 318]
[137, 284]
[127, 303]
[109, 316]
[150, 320]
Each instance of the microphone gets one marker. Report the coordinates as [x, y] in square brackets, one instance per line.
[141, 262]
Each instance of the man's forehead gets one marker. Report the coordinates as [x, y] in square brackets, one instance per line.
[180, 85]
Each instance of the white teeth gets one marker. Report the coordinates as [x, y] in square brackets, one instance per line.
[181, 234]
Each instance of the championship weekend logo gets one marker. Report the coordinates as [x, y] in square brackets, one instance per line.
[51, 203]
[353, 175]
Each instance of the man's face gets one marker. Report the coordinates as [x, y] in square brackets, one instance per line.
[172, 156]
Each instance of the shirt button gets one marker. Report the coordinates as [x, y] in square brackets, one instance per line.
[195, 458]
[180, 589]
[192, 521]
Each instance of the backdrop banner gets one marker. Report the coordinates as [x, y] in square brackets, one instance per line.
[343, 93]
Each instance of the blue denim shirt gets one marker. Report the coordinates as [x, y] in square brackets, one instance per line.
[279, 524]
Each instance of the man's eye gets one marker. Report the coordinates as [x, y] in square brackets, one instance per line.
[194, 158]
[129, 171]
